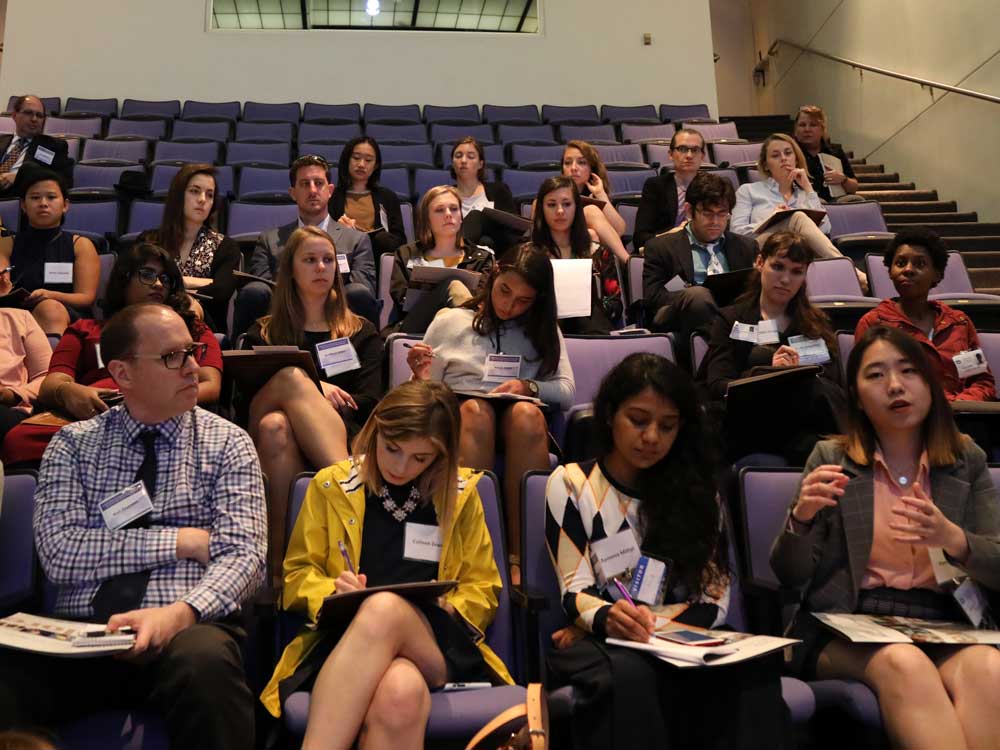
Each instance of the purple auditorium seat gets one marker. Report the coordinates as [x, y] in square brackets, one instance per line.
[699, 348]
[10, 214]
[211, 111]
[88, 127]
[332, 114]
[114, 153]
[835, 280]
[289, 112]
[91, 182]
[524, 156]
[627, 156]
[107, 262]
[143, 215]
[454, 717]
[77, 107]
[17, 553]
[555, 114]
[164, 173]
[684, 112]
[248, 220]
[197, 131]
[644, 114]
[398, 371]
[150, 130]
[398, 181]
[414, 133]
[465, 114]
[524, 184]
[647, 133]
[729, 174]
[263, 185]
[141, 109]
[329, 151]
[392, 114]
[725, 131]
[501, 114]
[592, 134]
[494, 154]
[449, 134]
[633, 278]
[7, 125]
[50, 103]
[857, 228]
[411, 156]
[845, 343]
[737, 154]
[406, 209]
[593, 357]
[264, 132]
[328, 133]
[954, 285]
[171, 152]
[628, 184]
[658, 155]
[276, 155]
[541, 134]
[425, 179]
[386, 262]
[98, 221]
[628, 213]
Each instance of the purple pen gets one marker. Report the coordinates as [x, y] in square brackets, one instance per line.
[347, 558]
[624, 592]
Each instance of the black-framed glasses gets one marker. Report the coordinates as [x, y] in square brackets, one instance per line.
[175, 360]
[149, 277]
[688, 149]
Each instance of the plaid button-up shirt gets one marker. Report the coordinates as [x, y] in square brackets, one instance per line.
[207, 477]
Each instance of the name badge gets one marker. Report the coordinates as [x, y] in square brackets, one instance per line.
[337, 356]
[97, 353]
[675, 284]
[422, 542]
[944, 571]
[123, 507]
[649, 581]
[810, 351]
[744, 332]
[44, 155]
[970, 598]
[613, 556]
[767, 332]
[970, 363]
[500, 368]
[58, 273]
[342, 263]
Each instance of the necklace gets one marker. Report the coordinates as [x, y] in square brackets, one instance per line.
[399, 513]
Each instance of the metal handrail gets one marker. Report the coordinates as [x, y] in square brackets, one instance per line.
[882, 71]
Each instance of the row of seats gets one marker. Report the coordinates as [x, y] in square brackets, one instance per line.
[293, 112]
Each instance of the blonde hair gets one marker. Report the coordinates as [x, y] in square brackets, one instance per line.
[415, 409]
[816, 113]
[425, 238]
[286, 322]
[593, 160]
[800, 159]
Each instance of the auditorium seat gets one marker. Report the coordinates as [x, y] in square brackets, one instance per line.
[502, 114]
[248, 220]
[627, 185]
[10, 214]
[263, 185]
[592, 134]
[524, 184]
[89, 127]
[175, 152]
[449, 134]
[548, 158]
[329, 151]
[98, 221]
[858, 228]
[466, 114]
[288, 112]
[103, 108]
[627, 156]
[17, 553]
[730, 174]
[92, 182]
[332, 114]
[143, 215]
[555, 114]
[725, 131]
[142, 109]
[644, 114]
[392, 114]
[163, 173]
[954, 285]
[647, 133]
[425, 179]
[198, 131]
[210, 111]
[412, 156]
[258, 154]
[150, 130]
[495, 156]
[398, 181]
[659, 154]
[264, 132]
[415, 133]
[327, 133]
[51, 104]
[684, 112]
[737, 154]
[835, 280]
[114, 153]
[406, 209]
[540, 134]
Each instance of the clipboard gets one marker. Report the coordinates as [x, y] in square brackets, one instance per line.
[586, 200]
[251, 369]
[726, 287]
[338, 608]
[511, 221]
[16, 298]
[817, 215]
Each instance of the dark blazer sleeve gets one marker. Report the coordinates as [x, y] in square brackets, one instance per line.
[499, 193]
[726, 359]
[740, 251]
[262, 259]
[390, 202]
[226, 260]
[400, 276]
[657, 269]
[657, 209]
[362, 262]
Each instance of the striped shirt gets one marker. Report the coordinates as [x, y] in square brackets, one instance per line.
[207, 477]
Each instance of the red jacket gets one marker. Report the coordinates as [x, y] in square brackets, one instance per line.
[953, 333]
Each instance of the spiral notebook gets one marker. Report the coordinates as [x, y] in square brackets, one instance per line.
[48, 635]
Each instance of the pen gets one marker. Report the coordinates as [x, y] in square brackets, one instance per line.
[410, 346]
[624, 592]
[347, 559]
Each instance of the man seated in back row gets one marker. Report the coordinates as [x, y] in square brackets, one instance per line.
[311, 191]
[28, 148]
[676, 264]
[174, 556]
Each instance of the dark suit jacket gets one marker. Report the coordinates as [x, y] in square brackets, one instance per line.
[383, 198]
[830, 559]
[61, 162]
[657, 208]
[350, 242]
[670, 255]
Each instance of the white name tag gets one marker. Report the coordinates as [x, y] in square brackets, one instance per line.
[767, 332]
[58, 273]
[97, 353]
[744, 332]
[970, 598]
[810, 351]
[613, 556]
[649, 581]
[337, 356]
[500, 368]
[675, 284]
[44, 155]
[126, 505]
[422, 542]
[970, 363]
[944, 571]
[342, 263]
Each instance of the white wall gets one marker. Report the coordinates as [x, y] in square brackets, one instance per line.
[589, 51]
[937, 140]
[732, 35]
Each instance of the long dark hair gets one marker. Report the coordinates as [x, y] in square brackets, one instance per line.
[344, 163]
[540, 321]
[127, 264]
[679, 510]
[171, 233]
[541, 234]
[941, 437]
[804, 316]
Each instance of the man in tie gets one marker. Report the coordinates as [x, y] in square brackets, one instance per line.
[27, 147]
[150, 516]
[677, 264]
[661, 207]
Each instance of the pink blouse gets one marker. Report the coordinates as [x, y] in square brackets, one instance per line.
[24, 355]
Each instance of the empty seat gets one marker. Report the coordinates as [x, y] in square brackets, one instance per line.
[541, 134]
[289, 112]
[834, 280]
[170, 151]
[642, 113]
[413, 155]
[467, 114]
[556, 114]
[141, 109]
[628, 185]
[724, 131]
[311, 132]
[150, 130]
[737, 154]
[264, 132]
[261, 185]
[143, 215]
[524, 184]
[248, 220]
[658, 155]
[91, 181]
[524, 156]
[6, 125]
[10, 214]
[864, 217]
[195, 131]
[589, 133]
[684, 112]
[332, 114]
[159, 182]
[647, 133]
[115, 152]
[99, 221]
[83, 128]
[441, 133]
[258, 154]
[425, 179]
[77, 107]
[392, 114]
[211, 111]
[397, 133]
[628, 156]
[398, 181]
[329, 151]
[498, 114]
[51, 104]
[729, 174]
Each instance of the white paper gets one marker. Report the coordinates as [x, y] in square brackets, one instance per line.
[969, 363]
[337, 356]
[44, 155]
[675, 284]
[573, 279]
[614, 555]
[810, 351]
[422, 542]
[744, 332]
[944, 571]
[499, 368]
[767, 332]
[58, 273]
[97, 351]
[342, 263]
[832, 164]
[126, 505]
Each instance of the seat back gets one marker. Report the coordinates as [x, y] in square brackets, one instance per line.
[392, 114]
[425, 179]
[556, 114]
[592, 134]
[524, 156]
[524, 184]
[141, 109]
[525, 134]
[659, 154]
[88, 177]
[647, 133]
[288, 112]
[622, 156]
[399, 371]
[854, 218]
[10, 214]
[82, 127]
[699, 348]
[144, 215]
[264, 132]
[729, 174]
[122, 152]
[735, 153]
[227, 111]
[634, 278]
[247, 220]
[263, 185]
[163, 174]
[259, 154]
[101, 107]
[331, 114]
[879, 283]
[386, 262]
[406, 210]
[410, 155]
[17, 549]
[628, 183]
[314, 132]
[93, 219]
[188, 153]
[628, 213]
[990, 343]
[499, 114]
[684, 112]
[715, 132]
[151, 130]
[414, 133]
[832, 276]
[956, 278]
[329, 151]
[445, 133]
[51, 104]
[765, 496]
[845, 343]
[197, 131]
[398, 181]
[644, 114]
[593, 357]
[465, 114]
[107, 261]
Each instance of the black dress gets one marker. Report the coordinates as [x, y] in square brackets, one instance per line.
[33, 249]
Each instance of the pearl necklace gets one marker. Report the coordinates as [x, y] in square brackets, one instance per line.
[399, 513]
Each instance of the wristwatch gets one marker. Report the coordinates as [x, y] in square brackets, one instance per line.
[532, 387]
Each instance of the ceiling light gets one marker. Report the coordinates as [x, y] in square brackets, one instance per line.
[371, 8]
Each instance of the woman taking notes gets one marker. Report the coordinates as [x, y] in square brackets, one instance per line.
[875, 508]
[359, 202]
[370, 677]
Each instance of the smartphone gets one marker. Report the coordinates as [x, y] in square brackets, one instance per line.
[690, 638]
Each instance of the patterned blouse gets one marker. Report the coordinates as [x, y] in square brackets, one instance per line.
[199, 260]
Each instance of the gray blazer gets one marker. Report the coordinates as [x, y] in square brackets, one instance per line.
[830, 559]
[357, 246]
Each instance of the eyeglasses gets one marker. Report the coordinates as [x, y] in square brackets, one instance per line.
[688, 149]
[175, 360]
[32, 114]
[149, 277]
[714, 215]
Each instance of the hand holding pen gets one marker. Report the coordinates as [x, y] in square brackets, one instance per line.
[349, 580]
[5, 281]
[419, 359]
[628, 620]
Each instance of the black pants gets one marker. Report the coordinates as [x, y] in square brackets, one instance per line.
[691, 310]
[196, 684]
[9, 419]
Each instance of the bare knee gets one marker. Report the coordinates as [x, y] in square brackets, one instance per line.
[401, 701]
[289, 382]
[382, 617]
[478, 419]
[274, 433]
[528, 423]
[52, 315]
[973, 672]
[903, 668]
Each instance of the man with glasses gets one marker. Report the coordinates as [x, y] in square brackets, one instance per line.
[27, 146]
[150, 516]
[677, 264]
[662, 205]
